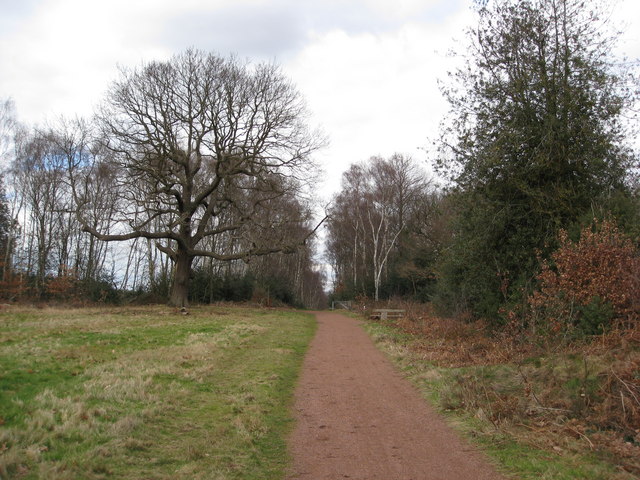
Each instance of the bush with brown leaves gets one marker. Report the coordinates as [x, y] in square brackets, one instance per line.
[588, 286]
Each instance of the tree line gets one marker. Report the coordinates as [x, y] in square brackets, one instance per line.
[200, 169]
[191, 170]
[536, 157]
[382, 230]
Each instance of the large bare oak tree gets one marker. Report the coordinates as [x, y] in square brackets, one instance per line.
[202, 146]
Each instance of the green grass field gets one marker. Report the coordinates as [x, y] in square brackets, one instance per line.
[146, 393]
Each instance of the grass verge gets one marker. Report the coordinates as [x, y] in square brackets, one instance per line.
[145, 393]
[495, 406]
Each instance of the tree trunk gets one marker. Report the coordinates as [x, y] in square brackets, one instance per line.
[179, 296]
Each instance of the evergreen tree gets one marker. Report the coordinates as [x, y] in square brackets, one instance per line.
[536, 139]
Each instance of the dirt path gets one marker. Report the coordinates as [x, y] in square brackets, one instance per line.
[357, 418]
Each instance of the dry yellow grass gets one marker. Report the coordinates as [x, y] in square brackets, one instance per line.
[131, 393]
[564, 413]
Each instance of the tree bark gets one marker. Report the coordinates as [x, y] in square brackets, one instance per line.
[179, 296]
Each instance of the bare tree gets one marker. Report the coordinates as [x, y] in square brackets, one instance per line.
[395, 187]
[73, 142]
[191, 139]
[8, 127]
[347, 247]
[52, 241]
[39, 176]
[371, 212]
[8, 209]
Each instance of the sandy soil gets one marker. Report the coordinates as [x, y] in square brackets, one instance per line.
[357, 418]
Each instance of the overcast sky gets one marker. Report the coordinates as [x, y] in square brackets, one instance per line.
[367, 68]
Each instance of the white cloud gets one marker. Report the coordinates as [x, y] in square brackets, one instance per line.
[626, 16]
[376, 94]
[60, 60]
[368, 68]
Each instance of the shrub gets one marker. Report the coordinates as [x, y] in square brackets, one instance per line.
[12, 286]
[64, 286]
[588, 284]
[102, 289]
[207, 287]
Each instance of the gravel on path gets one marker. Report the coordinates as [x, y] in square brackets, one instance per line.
[358, 418]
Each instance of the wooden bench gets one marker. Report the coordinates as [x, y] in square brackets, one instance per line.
[385, 313]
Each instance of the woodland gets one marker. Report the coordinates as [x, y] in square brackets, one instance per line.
[513, 248]
[187, 186]
[532, 215]
[194, 182]
[519, 272]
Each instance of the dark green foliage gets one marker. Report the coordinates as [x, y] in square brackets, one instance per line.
[160, 287]
[410, 277]
[101, 290]
[278, 289]
[241, 287]
[237, 288]
[534, 144]
[622, 205]
[208, 288]
[595, 317]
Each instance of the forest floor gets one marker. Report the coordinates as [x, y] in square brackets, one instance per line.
[358, 418]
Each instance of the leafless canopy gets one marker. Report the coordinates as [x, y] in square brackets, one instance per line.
[202, 146]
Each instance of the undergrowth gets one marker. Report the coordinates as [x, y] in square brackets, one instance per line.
[543, 408]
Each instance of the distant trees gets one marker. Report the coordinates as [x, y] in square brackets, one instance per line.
[197, 166]
[51, 241]
[535, 141]
[39, 173]
[205, 157]
[8, 126]
[370, 218]
[7, 223]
